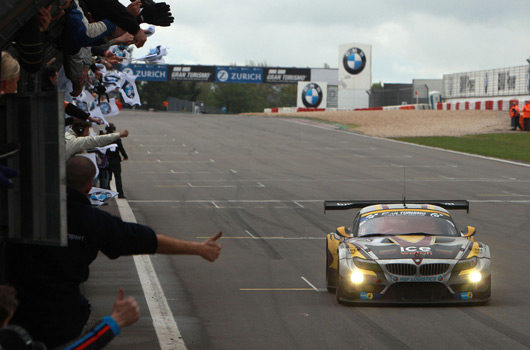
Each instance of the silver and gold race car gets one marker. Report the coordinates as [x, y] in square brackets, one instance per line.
[406, 252]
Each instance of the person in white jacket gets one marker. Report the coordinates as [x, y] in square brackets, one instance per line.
[77, 138]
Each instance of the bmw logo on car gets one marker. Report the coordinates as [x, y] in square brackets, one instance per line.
[312, 95]
[354, 60]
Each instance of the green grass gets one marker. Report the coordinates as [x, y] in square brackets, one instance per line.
[514, 146]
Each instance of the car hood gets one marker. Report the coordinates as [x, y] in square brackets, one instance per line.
[414, 247]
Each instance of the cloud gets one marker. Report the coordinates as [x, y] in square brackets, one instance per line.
[416, 40]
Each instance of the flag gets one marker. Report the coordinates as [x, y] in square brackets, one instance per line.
[155, 55]
[84, 101]
[112, 81]
[109, 108]
[128, 90]
[98, 196]
[150, 30]
[121, 52]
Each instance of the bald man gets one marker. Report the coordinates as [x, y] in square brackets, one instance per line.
[52, 307]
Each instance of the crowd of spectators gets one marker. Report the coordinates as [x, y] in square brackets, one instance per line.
[41, 302]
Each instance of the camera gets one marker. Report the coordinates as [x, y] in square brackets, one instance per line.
[14, 337]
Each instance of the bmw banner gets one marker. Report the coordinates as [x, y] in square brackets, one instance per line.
[147, 72]
[355, 75]
[248, 75]
[312, 95]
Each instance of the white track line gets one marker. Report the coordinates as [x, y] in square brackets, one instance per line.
[312, 286]
[166, 328]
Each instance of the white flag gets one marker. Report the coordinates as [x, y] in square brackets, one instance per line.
[84, 101]
[128, 90]
[121, 52]
[109, 108]
[98, 196]
[155, 55]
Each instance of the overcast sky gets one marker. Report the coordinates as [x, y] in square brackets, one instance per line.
[410, 39]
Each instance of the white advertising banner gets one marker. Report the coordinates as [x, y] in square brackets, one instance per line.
[312, 94]
[355, 75]
[510, 81]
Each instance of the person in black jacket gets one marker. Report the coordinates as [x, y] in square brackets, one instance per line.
[114, 161]
[48, 278]
[125, 312]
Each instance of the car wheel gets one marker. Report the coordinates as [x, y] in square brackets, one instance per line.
[340, 294]
[331, 274]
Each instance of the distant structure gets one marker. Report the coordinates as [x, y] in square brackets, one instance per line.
[355, 75]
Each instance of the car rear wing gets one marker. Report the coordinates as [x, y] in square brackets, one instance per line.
[345, 205]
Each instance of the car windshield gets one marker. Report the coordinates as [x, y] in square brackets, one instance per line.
[399, 225]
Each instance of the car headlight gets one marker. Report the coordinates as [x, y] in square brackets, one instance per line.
[369, 265]
[475, 276]
[357, 277]
[466, 264]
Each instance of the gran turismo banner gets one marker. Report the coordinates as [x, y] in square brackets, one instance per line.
[287, 75]
[192, 73]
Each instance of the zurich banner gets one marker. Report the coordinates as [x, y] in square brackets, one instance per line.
[147, 72]
[249, 75]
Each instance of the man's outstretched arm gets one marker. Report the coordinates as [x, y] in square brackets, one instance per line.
[209, 249]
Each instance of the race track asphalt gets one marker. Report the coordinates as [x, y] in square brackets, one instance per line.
[262, 182]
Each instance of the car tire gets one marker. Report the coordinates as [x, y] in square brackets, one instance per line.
[331, 274]
[340, 294]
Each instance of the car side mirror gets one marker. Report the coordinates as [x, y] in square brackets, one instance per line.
[469, 233]
[343, 231]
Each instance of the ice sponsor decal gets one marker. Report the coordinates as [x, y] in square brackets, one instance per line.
[312, 95]
[397, 279]
[354, 60]
[416, 251]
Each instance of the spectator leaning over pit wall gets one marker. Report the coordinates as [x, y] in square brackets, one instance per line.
[526, 115]
[48, 279]
[77, 138]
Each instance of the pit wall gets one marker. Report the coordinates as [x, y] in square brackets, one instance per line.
[484, 105]
[295, 110]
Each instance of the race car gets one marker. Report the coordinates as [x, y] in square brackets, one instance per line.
[408, 252]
